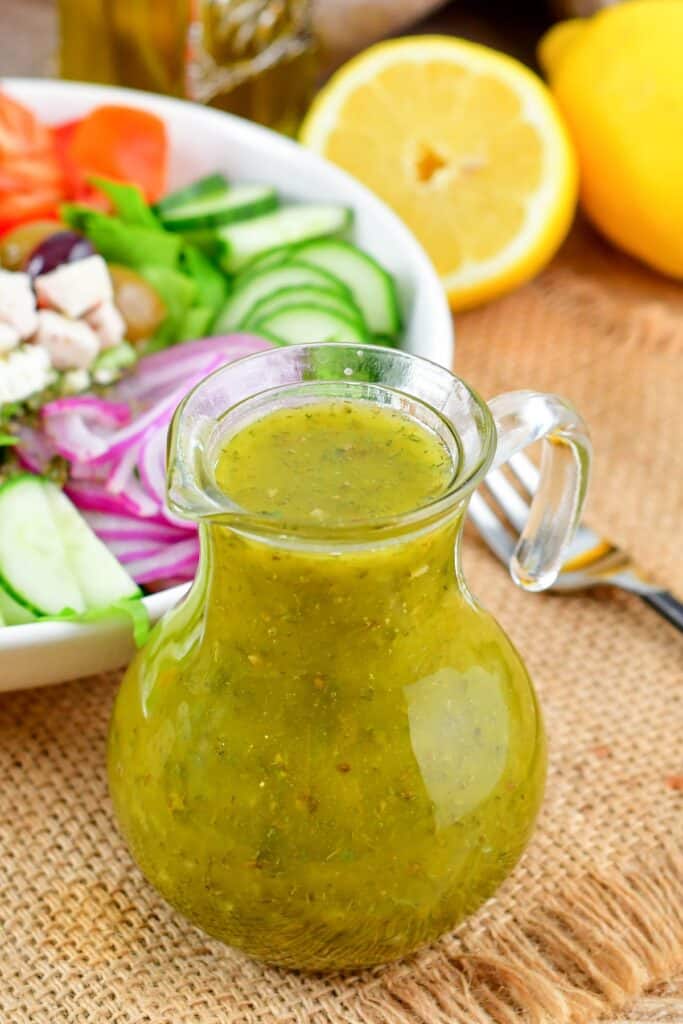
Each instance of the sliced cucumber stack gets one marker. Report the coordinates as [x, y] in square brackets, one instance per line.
[211, 185]
[286, 262]
[219, 208]
[308, 295]
[242, 241]
[270, 258]
[297, 325]
[50, 560]
[251, 288]
[371, 286]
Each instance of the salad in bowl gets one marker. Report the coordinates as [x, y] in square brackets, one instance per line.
[122, 284]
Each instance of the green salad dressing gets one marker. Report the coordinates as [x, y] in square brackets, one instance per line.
[329, 753]
[334, 463]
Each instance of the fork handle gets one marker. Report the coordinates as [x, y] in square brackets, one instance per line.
[667, 605]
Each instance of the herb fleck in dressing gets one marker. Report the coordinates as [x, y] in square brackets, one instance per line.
[335, 462]
[327, 756]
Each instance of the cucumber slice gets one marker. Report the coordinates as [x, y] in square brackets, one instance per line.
[195, 324]
[34, 566]
[370, 284]
[211, 185]
[242, 241]
[373, 288]
[270, 258]
[251, 288]
[11, 612]
[299, 296]
[299, 324]
[101, 579]
[211, 211]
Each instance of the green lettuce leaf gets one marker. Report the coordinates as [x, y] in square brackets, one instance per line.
[129, 203]
[212, 286]
[178, 293]
[117, 242]
[196, 323]
[130, 607]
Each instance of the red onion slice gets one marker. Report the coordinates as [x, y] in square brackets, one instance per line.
[117, 451]
[175, 560]
[117, 526]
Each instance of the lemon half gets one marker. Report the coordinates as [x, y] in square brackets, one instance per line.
[468, 148]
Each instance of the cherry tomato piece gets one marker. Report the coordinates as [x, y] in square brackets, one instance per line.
[122, 143]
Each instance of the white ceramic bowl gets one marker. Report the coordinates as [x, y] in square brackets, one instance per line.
[202, 141]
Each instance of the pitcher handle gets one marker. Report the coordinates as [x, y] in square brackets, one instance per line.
[521, 418]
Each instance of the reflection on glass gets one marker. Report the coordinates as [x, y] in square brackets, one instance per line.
[459, 731]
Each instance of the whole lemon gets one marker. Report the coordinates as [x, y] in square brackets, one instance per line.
[618, 79]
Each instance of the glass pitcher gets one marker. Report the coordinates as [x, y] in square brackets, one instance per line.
[329, 753]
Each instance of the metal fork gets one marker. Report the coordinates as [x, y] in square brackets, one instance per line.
[500, 509]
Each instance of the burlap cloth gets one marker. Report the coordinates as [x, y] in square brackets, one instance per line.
[593, 916]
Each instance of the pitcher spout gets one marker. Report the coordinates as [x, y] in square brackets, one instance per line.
[189, 493]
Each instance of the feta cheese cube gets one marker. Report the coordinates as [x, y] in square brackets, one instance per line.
[107, 323]
[74, 381]
[75, 288]
[23, 372]
[17, 302]
[9, 337]
[70, 344]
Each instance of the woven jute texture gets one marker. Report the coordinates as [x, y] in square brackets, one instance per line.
[593, 915]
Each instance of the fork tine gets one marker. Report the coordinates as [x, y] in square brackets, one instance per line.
[525, 472]
[528, 475]
[511, 503]
[491, 528]
[589, 560]
[498, 536]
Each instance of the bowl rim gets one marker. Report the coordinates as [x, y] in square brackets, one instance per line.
[31, 90]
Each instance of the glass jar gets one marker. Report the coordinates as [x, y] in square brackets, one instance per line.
[329, 753]
[255, 58]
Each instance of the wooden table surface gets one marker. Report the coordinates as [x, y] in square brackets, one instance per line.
[28, 32]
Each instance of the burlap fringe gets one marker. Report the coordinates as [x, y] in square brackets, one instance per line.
[591, 950]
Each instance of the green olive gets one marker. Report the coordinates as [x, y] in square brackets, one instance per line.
[18, 244]
[139, 304]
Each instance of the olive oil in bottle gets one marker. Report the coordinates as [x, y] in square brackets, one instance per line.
[255, 58]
